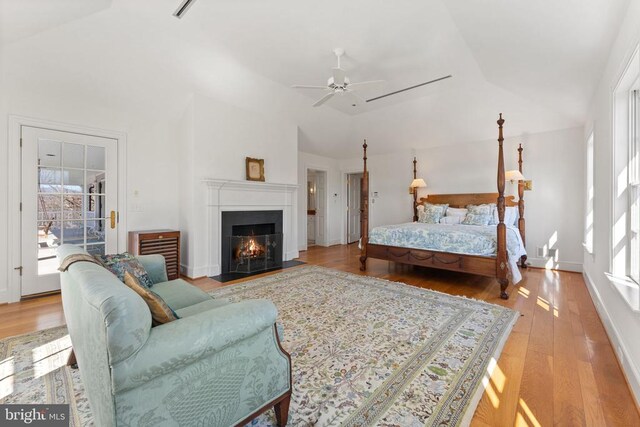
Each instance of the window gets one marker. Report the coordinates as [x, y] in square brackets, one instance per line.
[634, 182]
[589, 223]
[625, 228]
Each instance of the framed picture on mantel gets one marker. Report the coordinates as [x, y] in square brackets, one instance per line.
[255, 169]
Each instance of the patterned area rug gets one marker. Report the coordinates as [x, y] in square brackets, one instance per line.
[365, 351]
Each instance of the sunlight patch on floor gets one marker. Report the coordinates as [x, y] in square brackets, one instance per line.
[7, 369]
[543, 303]
[525, 416]
[50, 356]
[494, 378]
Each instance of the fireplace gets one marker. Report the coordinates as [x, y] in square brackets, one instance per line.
[251, 241]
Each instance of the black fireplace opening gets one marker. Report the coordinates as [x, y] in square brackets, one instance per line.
[251, 241]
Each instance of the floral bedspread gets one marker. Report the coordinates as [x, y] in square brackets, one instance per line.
[455, 238]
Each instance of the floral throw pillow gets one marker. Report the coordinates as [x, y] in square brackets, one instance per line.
[486, 209]
[119, 264]
[430, 214]
[476, 219]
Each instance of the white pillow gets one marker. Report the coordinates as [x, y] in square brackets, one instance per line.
[456, 212]
[451, 219]
[510, 215]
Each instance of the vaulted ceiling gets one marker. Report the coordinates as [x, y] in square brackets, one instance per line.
[538, 62]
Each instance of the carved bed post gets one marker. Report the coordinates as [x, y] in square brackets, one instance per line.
[415, 191]
[501, 258]
[521, 221]
[364, 211]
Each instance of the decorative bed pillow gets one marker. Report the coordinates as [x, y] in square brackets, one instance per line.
[431, 214]
[442, 206]
[451, 219]
[160, 311]
[486, 209]
[476, 219]
[457, 212]
[119, 264]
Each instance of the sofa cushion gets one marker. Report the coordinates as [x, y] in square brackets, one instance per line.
[180, 294]
[202, 306]
[118, 264]
[160, 311]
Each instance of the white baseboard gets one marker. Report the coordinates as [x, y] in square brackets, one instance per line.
[291, 255]
[629, 369]
[558, 265]
[196, 272]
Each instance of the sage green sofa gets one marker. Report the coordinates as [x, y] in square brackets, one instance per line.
[220, 364]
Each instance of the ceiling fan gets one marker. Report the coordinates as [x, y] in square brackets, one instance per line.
[339, 83]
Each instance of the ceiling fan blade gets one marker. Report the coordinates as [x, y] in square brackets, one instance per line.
[338, 76]
[184, 6]
[360, 85]
[409, 88]
[324, 99]
[308, 87]
[356, 99]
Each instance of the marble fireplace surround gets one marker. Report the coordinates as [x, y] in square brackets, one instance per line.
[227, 195]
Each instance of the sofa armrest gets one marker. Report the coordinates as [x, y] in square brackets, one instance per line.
[155, 266]
[174, 345]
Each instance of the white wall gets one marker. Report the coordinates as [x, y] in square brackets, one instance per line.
[621, 322]
[35, 83]
[218, 138]
[553, 160]
[389, 176]
[333, 202]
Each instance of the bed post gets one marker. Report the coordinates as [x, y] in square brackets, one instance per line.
[501, 258]
[364, 211]
[521, 222]
[415, 191]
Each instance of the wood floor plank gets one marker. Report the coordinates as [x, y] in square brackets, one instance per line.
[590, 395]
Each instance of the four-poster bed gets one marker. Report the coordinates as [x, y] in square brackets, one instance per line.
[506, 249]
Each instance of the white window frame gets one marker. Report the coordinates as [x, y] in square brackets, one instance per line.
[633, 225]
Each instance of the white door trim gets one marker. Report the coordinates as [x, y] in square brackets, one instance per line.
[14, 194]
[344, 173]
[311, 166]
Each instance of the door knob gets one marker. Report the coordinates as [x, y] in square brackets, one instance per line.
[113, 219]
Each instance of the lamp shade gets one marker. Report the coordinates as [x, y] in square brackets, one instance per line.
[418, 183]
[514, 175]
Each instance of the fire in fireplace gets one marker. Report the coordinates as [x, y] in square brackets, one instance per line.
[252, 241]
[255, 253]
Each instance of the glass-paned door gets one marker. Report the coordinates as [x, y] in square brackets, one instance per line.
[68, 196]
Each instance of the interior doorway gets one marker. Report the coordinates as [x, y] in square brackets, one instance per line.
[316, 207]
[354, 187]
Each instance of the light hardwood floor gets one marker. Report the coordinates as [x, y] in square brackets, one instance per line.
[557, 367]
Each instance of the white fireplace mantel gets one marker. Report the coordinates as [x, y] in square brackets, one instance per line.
[260, 186]
[231, 195]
